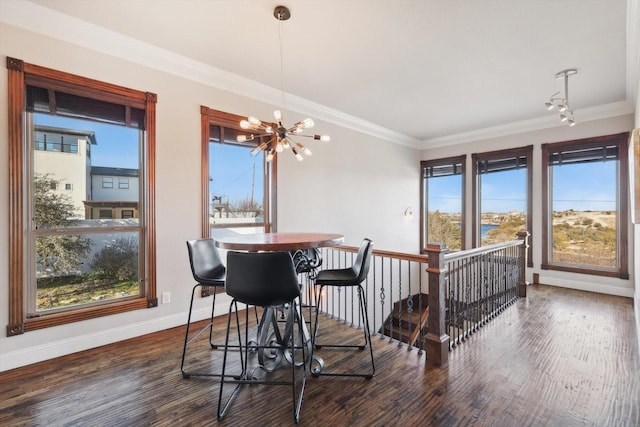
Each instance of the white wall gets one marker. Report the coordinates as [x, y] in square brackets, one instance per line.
[359, 186]
[115, 192]
[559, 133]
[636, 228]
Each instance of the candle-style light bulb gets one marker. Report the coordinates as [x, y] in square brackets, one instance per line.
[298, 155]
[270, 155]
[304, 149]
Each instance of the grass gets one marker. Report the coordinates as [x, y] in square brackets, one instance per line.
[57, 292]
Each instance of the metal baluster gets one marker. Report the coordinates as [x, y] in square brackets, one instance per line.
[391, 301]
[382, 298]
[400, 310]
[409, 308]
[420, 308]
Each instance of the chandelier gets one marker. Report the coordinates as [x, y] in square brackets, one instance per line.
[562, 104]
[275, 138]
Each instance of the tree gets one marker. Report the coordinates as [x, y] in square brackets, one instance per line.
[442, 230]
[61, 254]
[118, 260]
[246, 208]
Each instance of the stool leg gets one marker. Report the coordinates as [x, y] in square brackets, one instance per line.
[243, 360]
[213, 307]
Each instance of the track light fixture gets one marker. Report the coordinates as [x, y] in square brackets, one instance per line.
[562, 103]
[276, 139]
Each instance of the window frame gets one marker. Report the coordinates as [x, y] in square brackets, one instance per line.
[107, 182]
[622, 209]
[527, 152]
[211, 117]
[18, 72]
[424, 206]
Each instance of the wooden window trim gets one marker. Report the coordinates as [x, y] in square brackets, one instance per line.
[208, 117]
[423, 196]
[475, 205]
[17, 71]
[622, 140]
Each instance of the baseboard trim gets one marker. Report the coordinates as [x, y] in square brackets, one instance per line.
[39, 353]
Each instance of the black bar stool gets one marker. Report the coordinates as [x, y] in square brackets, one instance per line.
[351, 276]
[208, 270]
[264, 279]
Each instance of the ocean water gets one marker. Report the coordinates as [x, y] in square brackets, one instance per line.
[485, 228]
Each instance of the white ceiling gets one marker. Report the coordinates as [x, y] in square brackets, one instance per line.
[421, 70]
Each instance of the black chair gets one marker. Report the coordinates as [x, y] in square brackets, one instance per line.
[345, 277]
[265, 279]
[207, 270]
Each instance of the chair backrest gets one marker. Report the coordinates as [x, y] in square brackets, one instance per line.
[363, 260]
[261, 278]
[206, 266]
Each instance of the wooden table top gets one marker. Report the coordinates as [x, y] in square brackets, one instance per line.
[279, 241]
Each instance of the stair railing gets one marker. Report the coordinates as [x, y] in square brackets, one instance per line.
[464, 290]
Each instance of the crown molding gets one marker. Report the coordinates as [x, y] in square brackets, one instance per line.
[41, 20]
[614, 109]
[53, 24]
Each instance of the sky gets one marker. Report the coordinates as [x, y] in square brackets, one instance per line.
[231, 168]
[117, 146]
[583, 187]
[233, 174]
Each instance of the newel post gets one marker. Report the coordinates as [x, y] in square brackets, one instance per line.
[524, 236]
[436, 342]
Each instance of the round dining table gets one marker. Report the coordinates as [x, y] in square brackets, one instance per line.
[279, 241]
[267, 330]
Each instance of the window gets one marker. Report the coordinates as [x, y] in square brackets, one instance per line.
[127, 213]
[442, 201]
[585, 203]
[57, 142]
[106, 213]
[68, 187]
[123, 183]
[502, 188]
[41, 220]
[238, 188]
[107, 182]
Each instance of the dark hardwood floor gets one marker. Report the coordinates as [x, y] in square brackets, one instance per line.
[557, 358]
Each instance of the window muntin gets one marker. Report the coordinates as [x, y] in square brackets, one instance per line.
[443, 202]
[90, 100]
[586, 205]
